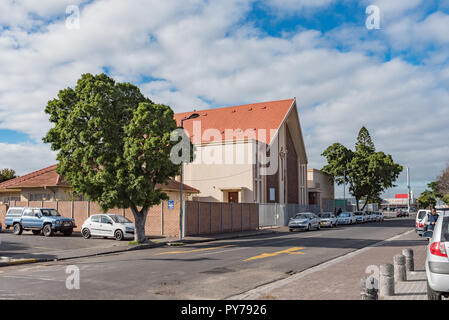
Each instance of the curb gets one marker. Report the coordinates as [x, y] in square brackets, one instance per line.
[135, 248]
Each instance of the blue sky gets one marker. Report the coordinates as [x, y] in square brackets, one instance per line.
[198, 54]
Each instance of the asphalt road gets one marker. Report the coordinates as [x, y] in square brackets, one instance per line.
[214, 270]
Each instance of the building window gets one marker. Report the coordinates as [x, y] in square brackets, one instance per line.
[272, 194]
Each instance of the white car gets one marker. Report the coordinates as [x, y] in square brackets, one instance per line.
[304, 221]
[346, 218]
[328, 219]
[109, 226]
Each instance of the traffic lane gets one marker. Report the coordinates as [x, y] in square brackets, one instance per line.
[201, 271]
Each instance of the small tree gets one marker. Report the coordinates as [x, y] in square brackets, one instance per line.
[113, 145]
[427, 199]
[367, 172]
[7, 174]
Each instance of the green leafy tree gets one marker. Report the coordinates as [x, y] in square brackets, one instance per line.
[367, 172]
[441, 186]
[7, 174]
[427, 199]
[113, 145]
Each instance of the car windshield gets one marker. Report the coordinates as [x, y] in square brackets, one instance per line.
[326, 215]
[421, 214]
[50, 213]
[302, 216]
[345, 214]
[119, 219]
[358, 213]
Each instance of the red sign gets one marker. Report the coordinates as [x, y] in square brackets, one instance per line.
[401, 196]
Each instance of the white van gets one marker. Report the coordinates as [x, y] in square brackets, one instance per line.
[421, 220]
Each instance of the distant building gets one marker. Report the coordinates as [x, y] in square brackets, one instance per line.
[321, 189]
[47, 185]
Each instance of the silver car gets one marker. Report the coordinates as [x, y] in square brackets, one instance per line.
[108, 226]
[346, 218]
[304, 221]
[437, 261]
[328, 219]
[361, 216]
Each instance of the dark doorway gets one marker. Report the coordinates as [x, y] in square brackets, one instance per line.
[233, 197]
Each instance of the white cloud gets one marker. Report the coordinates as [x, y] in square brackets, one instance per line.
[24, 158]
[202, 51]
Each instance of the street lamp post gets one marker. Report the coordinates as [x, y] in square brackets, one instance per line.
[181, 211]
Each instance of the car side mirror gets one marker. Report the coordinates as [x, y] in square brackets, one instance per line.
[427, 234]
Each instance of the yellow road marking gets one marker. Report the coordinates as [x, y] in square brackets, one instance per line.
[195, 250]
[294, 250]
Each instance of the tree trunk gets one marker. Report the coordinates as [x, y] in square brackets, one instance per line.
[366, 202]
[357, 203]
[139, 221]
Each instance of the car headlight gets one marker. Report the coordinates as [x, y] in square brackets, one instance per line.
[129, 229]
[58, 222]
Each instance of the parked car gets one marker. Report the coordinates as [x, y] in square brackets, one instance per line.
[109, 226]
[379, 216]
[400, 213]
[437, 261]
[421, 220]
[45, 220]
[304, 221]
[361, 217]
[346, 218]
[371, 216]
[328, 219]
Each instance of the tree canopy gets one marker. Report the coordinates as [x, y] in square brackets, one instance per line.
[367, 172]
[7, 174]
[113, 144]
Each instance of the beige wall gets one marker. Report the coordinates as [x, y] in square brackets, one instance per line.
[320, 182]
[220, 167]
[37, 194]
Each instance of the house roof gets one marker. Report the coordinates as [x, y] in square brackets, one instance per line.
[255, 116]
[48, 177]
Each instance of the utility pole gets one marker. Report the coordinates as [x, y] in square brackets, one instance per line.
[408, 188]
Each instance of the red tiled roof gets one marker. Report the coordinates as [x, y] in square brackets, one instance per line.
[263, 115]
[48, 177]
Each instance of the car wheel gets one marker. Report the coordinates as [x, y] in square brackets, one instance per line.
[18, 229]
[118, 235]
[36, 232]
[47, 231]
[432, 295]
[86, 233]
[67, 233]
[291, 230]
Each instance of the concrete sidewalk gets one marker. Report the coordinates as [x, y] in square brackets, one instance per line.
[110, 247]
[339, 279]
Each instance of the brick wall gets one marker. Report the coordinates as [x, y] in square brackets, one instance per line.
[201, 218]
[160, 220]
[204, 218]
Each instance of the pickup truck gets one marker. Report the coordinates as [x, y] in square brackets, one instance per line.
[37, 220]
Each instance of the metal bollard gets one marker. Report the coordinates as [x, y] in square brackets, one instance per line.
[400, 273]
[365, 292]
[386, 280]
[409, 260]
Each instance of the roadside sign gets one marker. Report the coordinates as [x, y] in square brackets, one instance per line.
[171, 204]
